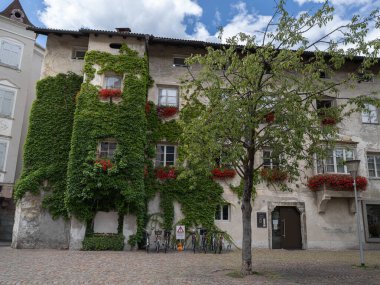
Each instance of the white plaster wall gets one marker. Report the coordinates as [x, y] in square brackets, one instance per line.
[129, 228]
[102, 43]
[106, 222]
[77, 234]
[58, 55]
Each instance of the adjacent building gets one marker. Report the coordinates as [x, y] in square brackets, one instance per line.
[301, 219]
[20, 65]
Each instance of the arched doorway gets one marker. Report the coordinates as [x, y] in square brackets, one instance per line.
[286, 228]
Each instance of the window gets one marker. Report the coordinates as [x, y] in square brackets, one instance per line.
[179, 61]
[370, 114]
[7, 97]
[222, 212]
[107, 149]
[372, 221]
[168, 96]
[334, 161]
[365, 76]
[269, 161]
[3, 153]
[79, 53]
[112, 82]
[166, 155]
[10, 53]
[374, 165]
[325, 104]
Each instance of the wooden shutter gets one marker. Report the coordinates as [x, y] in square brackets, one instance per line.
[6, 102]
[10, 54]
[3, 149]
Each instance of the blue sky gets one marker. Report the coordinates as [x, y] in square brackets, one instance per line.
[197, 19]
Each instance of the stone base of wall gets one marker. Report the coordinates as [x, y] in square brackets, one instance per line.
[35, 228]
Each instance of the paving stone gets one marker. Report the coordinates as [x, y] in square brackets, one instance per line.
[138, 267]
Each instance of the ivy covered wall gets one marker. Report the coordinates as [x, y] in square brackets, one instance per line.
[47, 146]
[62, 147]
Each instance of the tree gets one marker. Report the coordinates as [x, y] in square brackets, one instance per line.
[260, 92]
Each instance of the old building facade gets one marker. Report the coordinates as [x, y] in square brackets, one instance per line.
[301, 219]
[20, 65]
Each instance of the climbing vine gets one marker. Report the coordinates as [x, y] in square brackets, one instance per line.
[47, 146]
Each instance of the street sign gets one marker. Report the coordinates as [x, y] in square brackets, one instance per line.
[180, 232]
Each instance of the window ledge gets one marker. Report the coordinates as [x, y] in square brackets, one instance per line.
[10, 67]
[370, 124]
[373, 178]
[324, 196]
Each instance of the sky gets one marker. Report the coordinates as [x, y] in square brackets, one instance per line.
[189, 19]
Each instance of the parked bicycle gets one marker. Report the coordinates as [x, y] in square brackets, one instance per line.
[167, 234]
[193, 241]
[203, 233]
[157, 242]
[147, 241]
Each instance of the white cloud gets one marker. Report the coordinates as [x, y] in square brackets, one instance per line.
[163, 17]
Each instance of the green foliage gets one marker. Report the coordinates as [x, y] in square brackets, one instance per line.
[120, 187]
[103, 242]
[47, 146]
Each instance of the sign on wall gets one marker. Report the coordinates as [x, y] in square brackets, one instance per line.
[180, 232]
[261, 219]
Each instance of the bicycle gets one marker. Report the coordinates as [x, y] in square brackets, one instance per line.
[167, 234]
[158, 240]
[203, 233]
[193, 241]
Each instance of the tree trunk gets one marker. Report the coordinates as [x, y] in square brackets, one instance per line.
[246, 209]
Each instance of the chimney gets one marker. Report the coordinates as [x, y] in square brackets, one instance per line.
[123, 30]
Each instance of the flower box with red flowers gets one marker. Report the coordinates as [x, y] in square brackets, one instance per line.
[273, 175]
[328, 121]
[223, 173]
[109, 93]
[166, 111]
[164, 173]
[270, 117]
[337, 182]
[104, 163]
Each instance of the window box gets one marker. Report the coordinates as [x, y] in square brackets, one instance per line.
[336, 182]
[166, 111]
[104, 164]
[328, 121]
[165, 173]
[223, 173]
[109, 93]
[270, 117]
[273, 175]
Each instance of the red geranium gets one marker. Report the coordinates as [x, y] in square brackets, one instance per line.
[338, 182]
[107, 93]
[223, 173]
[269, 118]
[105, 163]
[273, 175]
[328, 121]
[165, 173]
[166, 111]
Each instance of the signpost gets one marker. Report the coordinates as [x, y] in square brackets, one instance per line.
[180, 232]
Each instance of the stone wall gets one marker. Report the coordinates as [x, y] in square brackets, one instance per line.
[35, 228]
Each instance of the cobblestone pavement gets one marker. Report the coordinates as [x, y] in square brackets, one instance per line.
[272, 267]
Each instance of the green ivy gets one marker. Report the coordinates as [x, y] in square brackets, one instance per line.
[47, 146]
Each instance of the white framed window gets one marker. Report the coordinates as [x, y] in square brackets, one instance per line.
[166, 155]
[334, 161]
[3, 153]
[79, 53]
[222, 212]
[373, 165]
[107, 149]
[10, 53]
[370, 115]
[371, 217]
[269, 161]
[112, 81]
[168, 96]
[7, 100]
